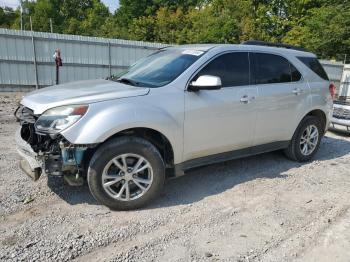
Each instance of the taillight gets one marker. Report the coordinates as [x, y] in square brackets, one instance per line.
[332, 90]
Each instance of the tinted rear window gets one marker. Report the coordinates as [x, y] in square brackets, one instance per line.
[314, 65]
[272, 68]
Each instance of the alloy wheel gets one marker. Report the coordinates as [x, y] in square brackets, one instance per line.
[309, 140]
[127, 177]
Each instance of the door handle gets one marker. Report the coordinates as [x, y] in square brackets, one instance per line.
[297, 91]
[245, 99]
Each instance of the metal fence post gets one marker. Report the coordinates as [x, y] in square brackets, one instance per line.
[34, 56]
[109, 59]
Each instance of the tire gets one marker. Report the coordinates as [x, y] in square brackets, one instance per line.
[107, 165]
[294, 150]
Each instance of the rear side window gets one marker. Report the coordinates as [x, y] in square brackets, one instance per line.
[271, 69]
[314, 65]
[232, 68]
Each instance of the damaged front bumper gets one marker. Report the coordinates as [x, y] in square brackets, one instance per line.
[44, 153]
[66, 161]
[30, 163]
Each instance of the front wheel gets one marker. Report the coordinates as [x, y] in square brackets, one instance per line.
[126, 173]
[306, 140]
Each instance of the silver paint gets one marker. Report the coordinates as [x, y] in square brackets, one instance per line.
[196, 123]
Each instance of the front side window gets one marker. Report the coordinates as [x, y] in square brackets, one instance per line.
[232, 68]
[160, 68]
[272, 69]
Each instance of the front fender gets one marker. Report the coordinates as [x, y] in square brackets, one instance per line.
[105, 119]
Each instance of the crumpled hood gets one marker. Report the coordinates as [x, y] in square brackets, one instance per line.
[80, 92]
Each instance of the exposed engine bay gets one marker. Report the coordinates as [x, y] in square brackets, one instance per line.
[55, 155]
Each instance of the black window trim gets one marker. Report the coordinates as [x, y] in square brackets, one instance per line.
[301, 80]
[301, 75]
[190, 79]
[252, 68]
[314, 57]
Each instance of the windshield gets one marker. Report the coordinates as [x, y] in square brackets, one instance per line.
[160, 68]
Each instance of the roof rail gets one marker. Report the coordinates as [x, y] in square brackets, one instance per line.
[164, 47]
[263, 43]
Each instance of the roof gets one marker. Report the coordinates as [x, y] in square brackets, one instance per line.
[242, 47]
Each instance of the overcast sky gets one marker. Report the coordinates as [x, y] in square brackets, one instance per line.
[112, 4]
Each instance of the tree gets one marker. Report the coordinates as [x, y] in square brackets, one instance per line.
[7, 17]
[95, 18]
[143, 29]
[219, 21]
[133, 9]
[42, 11]
[319, 25]
[214, 23]
[84, 17]
[324, 31]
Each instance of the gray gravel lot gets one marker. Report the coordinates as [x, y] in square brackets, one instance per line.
[261, 208]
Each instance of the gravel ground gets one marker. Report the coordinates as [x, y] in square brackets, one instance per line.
[261, 208]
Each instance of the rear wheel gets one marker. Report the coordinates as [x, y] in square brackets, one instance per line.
[126, 173]
[306, 140]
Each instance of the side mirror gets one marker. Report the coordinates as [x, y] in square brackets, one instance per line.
[205, 82]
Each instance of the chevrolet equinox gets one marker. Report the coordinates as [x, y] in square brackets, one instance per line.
[176, 109]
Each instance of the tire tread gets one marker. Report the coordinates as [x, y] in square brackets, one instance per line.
[134, 143]
[292, 151]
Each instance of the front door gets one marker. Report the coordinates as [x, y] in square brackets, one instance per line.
[218, 121]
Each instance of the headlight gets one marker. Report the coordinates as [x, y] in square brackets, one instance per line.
[57, 119]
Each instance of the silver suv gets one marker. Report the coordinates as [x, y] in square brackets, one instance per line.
[179, 108]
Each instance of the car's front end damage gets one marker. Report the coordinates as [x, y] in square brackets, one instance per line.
[61, 126]
[43, 149]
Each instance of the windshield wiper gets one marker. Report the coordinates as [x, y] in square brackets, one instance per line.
[126, 81]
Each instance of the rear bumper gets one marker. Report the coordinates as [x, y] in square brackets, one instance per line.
[29, 164]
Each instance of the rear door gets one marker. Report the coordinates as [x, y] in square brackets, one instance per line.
[282, 95]
[218, 121]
